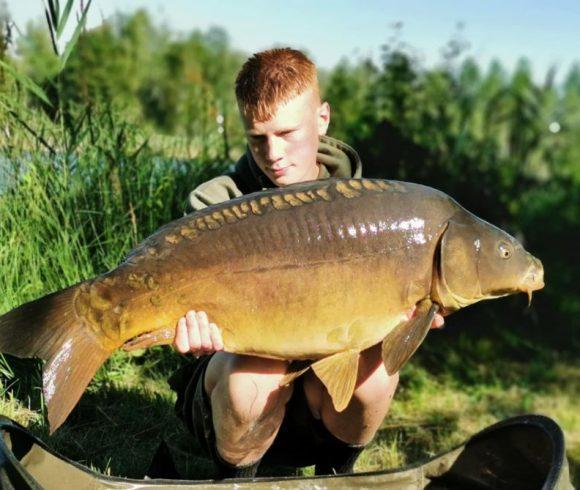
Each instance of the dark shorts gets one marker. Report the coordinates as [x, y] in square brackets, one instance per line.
[296, 443]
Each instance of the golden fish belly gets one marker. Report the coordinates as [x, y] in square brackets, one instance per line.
[303, 312]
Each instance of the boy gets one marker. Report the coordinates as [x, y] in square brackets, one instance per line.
[233, 403]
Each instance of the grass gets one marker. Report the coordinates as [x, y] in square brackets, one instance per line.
[128, 409]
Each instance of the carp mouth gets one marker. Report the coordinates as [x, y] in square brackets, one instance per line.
[534, 278]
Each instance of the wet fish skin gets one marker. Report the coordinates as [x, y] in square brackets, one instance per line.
[320, 270]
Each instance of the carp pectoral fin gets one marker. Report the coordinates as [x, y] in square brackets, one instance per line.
[400, 344]
[338, 373]
[293, 374]
[161, 336]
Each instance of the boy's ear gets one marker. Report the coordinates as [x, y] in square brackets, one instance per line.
[323, 118]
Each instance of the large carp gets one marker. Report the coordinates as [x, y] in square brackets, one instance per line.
[320, 270]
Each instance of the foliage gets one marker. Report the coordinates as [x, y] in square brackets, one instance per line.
[500, 144]
[173, 85]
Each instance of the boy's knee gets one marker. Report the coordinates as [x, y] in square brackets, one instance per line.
[248, 386]
[378, 390]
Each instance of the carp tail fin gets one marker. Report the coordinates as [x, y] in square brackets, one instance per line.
[400, 344]
[338, 373]
[50, 329]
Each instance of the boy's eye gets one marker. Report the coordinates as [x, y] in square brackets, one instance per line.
[287, 133]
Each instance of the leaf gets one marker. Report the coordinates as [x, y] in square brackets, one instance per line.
[73, 40]
[26, 82]
[53, 12]
[51, 31]
[38, 137]
[64, 17]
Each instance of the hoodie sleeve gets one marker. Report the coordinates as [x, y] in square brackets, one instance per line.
[213, 191]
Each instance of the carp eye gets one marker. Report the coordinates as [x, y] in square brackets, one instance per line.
[505, 251]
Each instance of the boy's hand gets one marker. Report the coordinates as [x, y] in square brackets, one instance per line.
[438, 320]
[194, 334]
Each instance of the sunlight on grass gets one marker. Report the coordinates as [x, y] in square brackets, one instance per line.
[128, 408]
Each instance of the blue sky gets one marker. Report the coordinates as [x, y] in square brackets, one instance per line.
[546, 32]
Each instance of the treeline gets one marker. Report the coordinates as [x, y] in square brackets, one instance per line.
[502, 144]
[174, 85]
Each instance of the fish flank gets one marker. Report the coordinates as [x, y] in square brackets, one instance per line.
[278, 200]
[255, 207]
[347, 191]
[279, 203]
[229, 216]
[212, 224]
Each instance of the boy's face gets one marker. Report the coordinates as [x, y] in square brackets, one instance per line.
[285, 146]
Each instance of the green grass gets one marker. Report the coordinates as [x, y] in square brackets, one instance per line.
[128, 409]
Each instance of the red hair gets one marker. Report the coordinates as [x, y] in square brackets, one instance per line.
[271, 78]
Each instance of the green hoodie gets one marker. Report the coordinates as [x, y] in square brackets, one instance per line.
[335, 158]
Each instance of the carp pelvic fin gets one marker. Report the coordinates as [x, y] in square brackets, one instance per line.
[400, 344]
[50, 329]
[338, 373]
[293, 374]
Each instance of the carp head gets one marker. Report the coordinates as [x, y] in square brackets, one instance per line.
[478, 261]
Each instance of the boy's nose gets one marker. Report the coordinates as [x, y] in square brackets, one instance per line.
[274, 150]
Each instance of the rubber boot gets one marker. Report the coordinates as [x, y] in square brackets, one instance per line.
[336, 456]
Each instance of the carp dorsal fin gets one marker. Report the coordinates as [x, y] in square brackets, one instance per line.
[338, 373]
[400, 344]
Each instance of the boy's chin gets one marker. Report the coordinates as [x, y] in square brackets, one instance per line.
[284, 180]
[289, 179]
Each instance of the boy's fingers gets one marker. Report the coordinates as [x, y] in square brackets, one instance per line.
[180, 342]
[206, 343]
[438, 321]
[216, 337]
[194, 337]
